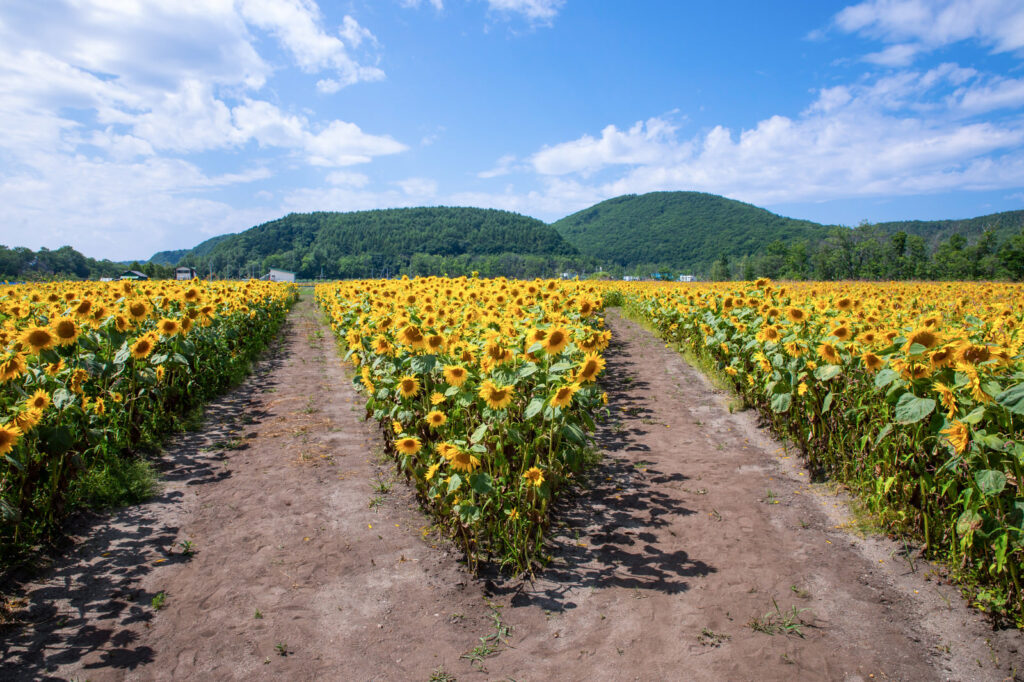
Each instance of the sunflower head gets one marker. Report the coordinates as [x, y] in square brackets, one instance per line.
[408, 386]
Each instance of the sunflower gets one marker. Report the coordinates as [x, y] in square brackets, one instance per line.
[169, 327]
[496, 397]
[436, 398]
[9, 435]
[923, 337]
[27, 420]
[39, 400]
[38, 339]
[872, 362]
[160, 371]
[971, 354]
[121, 323]
[534, 476]
[435, 343]
[464, 461]
[446, 450]
[455, 375]
[795, 315]
[98, 406]
[13, 367]
[143, 346]
[67, 331]
[409, 445]
[557, 339]
[842, 332]
[381, 345]
[408, 386]
[591, 367]
[412, 336]
[563, 396]
[436, 419]
[947, 397]
[829, 354]
[138, 310]
[958, 435]
[431, 471]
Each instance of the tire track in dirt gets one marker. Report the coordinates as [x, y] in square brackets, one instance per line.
[658, 569]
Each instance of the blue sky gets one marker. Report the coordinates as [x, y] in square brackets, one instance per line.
[133, 126]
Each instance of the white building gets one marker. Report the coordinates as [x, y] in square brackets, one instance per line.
[184, 273]
[687, 278]
[276, 275]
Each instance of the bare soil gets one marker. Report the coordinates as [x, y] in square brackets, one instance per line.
[700, 551]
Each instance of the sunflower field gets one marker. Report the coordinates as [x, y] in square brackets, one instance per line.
[90, 371]
[486, 392]
[912, 393]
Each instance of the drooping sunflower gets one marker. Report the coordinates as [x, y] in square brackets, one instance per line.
[38, 338]
[496, 397]
[947, 397]
[9, 435]
[591, 367]
[455, 375]
[27, 419]
[923, 337]
[958, 435]
[431, 471]
[408, 386]
[436, 419]
[67, 331]
[409, 445]
[464, 461]
[829, 354]
[795, 315]
[872, 362]
[13, 367]
[563, 396]
[534, 476]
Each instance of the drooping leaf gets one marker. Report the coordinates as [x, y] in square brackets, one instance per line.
[911, 409]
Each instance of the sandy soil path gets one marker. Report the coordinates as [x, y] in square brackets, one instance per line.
[311, 563]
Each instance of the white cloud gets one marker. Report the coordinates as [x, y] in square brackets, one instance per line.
[504, 166]
[905, 134]
[436, 4]
[645, 142]
[296, 24]
[922, 25]
[541, 11]
[418, 187]
[347, 178]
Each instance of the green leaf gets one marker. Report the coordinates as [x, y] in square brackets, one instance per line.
[781, 402]
[917, 349]
[469, 513]
[573, 433]
[122, 355]
[62, 397]
[479, 433]
[885, 377]
[535, 347]
[975, 416]
[535, 406]
[559, 367]
[883, 432]
[968, 522]
[1013, 398]
[481, 483]
[827, 403]
[527, 370]
[911, 409]
[423, 364]
[454, 483]
[827, 372]
[990, 481]
[452, 390]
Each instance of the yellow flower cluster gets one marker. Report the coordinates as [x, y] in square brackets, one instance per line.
[914, 392]
[90, 368]
[486, 388]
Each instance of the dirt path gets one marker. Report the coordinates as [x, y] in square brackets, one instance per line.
[306, 567]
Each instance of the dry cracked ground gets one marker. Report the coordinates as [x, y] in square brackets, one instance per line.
[281, 547]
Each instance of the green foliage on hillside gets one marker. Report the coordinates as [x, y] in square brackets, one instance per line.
[21, 263]
[1003, 226]
[686, 231]
[391, 241]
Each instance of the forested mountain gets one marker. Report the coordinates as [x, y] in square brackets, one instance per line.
[390, 241]
[21, 263]
[1002, 225]
[683, 231]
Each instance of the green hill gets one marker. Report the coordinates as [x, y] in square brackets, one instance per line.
[371, 243]
[683, 230]
[1005, 225]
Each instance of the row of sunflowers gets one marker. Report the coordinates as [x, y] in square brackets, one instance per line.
[486, 392]
[91, 371]
[911, 393]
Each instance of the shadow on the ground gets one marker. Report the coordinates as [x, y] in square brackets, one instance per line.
[608, 538]
[93, 582]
